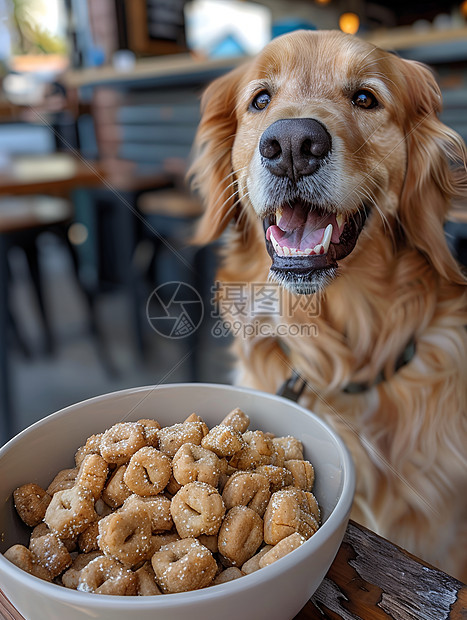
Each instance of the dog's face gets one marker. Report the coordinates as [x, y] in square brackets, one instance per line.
[317, 148]
[311, 142]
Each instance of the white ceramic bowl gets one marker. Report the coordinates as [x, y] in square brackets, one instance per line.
[276, 592]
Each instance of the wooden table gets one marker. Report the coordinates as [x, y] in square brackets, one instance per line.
[370, 579]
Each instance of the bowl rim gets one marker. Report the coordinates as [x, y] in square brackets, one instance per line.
[339, 515]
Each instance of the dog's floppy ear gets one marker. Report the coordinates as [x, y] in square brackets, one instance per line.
[436, 170]
[211, 172]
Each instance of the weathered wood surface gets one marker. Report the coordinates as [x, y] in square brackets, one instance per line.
[373, 579]
[370, 579]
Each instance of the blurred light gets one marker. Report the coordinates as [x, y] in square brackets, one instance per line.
[349, 23]
[327, 1]
[77, 233]
[463, 8]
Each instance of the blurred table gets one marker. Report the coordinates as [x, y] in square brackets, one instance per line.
[56, 174]
[370, 579]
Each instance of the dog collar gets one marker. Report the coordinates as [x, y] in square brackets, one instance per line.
[294, 386]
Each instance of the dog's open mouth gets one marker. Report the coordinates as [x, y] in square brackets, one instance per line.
[305, 243]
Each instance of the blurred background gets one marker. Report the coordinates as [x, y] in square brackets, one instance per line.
[99, 103]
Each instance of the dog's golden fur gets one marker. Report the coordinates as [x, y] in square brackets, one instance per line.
[408, 433]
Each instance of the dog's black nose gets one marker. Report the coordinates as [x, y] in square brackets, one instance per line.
[294, 147]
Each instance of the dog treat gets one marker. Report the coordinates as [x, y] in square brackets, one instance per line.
[240, 535]
[223, 440]
[31, 502]
[121, 441]
[116, 491]
[92, 474]
[126, 535]
[172, 437]
[49, 551]
[105, 575]
[302, 472]
[148, 472]
[183, 565]
[65, 479]
[192, 463]
[229, 574]
[283, 547]
[70, 512]
[150, 510]
[70, 577]
[249, 489]
[197, 509]
[146, 584]
[92, 446]
[292, 447]
[252, 565]
[290, 510]
[237, 419]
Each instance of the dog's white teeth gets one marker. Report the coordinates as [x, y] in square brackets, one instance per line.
[340, 219]
[327, 238]
[286, 251]
[276, 246]
[278, 215]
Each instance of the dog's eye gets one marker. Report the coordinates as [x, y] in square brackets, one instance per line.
[261, 100]
[364, 99]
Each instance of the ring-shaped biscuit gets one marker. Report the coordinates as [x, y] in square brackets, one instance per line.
[183, 565]
[148, 472]
[70, 512]
[249, 489]
[121, 441]
[197, 509]
[107, 576]
[193, 463]
[126, 535]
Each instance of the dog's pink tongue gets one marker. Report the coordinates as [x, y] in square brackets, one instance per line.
[301, 228]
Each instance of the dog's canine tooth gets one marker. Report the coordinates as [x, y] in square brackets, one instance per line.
[340, 219]
[278, 214]
[327, 238]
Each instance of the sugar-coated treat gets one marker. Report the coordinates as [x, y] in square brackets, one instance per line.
[183, 565]
[31, 502]
[150, 510]
[192, 463]
[240, 535]
[290, 510]
[105, 575]
[283, 547]
[197, 509]
[126, 535]
[302, 472]
[228, 574]
[172, 437]
[237, 419]
[70, 512]
[223, 440]
[148, 472]
[121, 441]
[116, 491]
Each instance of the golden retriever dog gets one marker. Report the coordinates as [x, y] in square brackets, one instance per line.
[325, 162]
